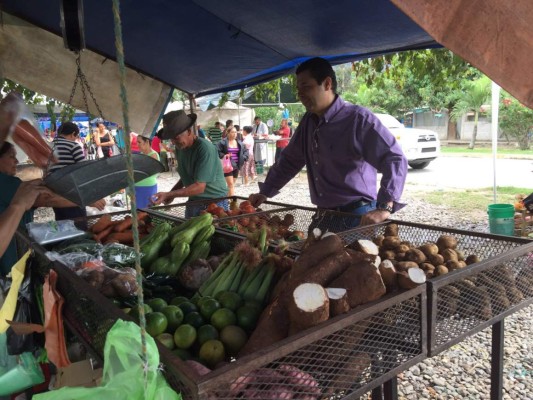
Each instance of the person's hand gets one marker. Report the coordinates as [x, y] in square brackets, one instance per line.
[98, 204]
[27, 193]
[256, 199]
[374, 217]
[162, 198]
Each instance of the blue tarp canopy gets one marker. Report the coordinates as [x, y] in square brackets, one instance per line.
[210, 46]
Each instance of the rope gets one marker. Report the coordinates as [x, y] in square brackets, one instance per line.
[131, 182]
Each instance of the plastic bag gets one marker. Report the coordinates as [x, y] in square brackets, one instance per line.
[7, 312]
[25, 130]
[123, 371]
[226, 165]
[117, 253]
[17, 372]
[53, 231]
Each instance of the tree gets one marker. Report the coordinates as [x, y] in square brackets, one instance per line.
[426, 78]
[516, 120]
[474, 95]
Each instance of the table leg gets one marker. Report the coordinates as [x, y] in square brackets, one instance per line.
[496, 373]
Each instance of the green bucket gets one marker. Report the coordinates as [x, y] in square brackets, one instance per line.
[501, 219]
[259, 169]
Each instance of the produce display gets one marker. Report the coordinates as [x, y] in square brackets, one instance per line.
[405, 266]
[246, 222]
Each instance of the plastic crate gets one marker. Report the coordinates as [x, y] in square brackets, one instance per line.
[467, 300]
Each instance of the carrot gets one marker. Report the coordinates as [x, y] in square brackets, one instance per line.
[103, 223]
[100, 236]
[125, 224]
[122, 237]
[141, 216]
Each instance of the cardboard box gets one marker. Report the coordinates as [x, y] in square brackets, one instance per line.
[79, 373]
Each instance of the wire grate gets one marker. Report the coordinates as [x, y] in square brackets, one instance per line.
[468, 299]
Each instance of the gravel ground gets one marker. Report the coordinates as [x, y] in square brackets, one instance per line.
[463, 371]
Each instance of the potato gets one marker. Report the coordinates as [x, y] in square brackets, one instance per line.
[446, 242]
[387, 254]
[405, 265]
[429, 249]
[440, 270]
[472, 259]
[452, 265]
[427, 267]
[378, 240]
[415, 255]
[391, 230]
[449, 254]
[436, 259]
[391, 242]
[402, 248]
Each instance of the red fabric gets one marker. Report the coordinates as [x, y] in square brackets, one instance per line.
[156, 144]
[134, 145]
[284, 133]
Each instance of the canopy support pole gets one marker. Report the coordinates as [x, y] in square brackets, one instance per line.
[494, 130]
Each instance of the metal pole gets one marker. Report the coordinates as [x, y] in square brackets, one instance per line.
[377, 393]
[494, 130]
[496, 371]
[192, 109]
[390, 389]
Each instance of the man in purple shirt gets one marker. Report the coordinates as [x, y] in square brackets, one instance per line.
[343, 146]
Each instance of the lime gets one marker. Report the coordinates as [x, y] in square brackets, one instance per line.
[156, 323]
[134, 312]
[174, 317]
[208, 307]
[176, 301]
[166, 340]
[157, 304]
[207, 332]
[247, 317]
[185, 336]
[222, 318]
[187, 307]
[234, 338]
[195, 319]
[200, 300]
[212, 352]
[182, 353]
[230, 300]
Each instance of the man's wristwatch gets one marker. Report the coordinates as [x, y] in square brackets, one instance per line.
[384, 207]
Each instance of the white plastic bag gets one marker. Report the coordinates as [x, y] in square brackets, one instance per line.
[53, 231]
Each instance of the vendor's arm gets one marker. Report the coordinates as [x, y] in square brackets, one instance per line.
[285, 168]
[194, 189]
[47, 198]
[21, 202]
[383, 152]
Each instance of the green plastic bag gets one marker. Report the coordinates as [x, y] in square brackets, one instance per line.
[17, 372]
[123, 376]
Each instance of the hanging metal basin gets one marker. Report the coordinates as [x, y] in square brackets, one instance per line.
[85, 182]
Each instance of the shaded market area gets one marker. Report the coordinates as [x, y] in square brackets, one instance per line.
[240, 302]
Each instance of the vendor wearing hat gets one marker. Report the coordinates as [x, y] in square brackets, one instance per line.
[199, 168]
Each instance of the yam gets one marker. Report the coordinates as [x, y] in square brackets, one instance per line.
[411, 278]
[316, 252]
[405, 265]
[324, 271]
[308, 306]
[388, 274]
[363, 283]
[273, 326]
[338, 301]
[449, 254]
[365, 246]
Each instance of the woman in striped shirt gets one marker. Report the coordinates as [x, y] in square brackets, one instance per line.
[68, 151]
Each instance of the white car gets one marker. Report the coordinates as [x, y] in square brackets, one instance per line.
[420, 146]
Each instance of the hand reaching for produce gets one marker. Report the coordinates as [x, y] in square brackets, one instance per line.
[256, 199]
[162, 198]
[98, 204]
[374, 217]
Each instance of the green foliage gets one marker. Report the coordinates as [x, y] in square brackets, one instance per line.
[29, 96]
[266, 113]
[268, 92]
[516, 121]
[474, 95]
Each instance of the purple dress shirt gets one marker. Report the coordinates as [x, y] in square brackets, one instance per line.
[342, 150]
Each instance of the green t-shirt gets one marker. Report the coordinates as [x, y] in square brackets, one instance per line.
[151, 180]
[200, 163]
[9, 185]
